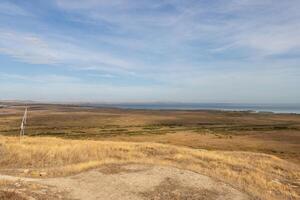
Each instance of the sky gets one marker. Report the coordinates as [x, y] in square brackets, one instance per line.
[218, 51]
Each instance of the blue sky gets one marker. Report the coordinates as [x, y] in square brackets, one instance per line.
[245, 51]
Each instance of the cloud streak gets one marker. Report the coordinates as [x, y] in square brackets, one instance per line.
[166, 47]
[239, 24]
[34, 49]
[8, 8]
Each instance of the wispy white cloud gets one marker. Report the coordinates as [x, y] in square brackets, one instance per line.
[196, 50]
[272, 40]
[12, 9]
[102, 75]
[79, 91]
[267, 26]
[213, 86]
[49, 78]
[163, 28]
[35, 49]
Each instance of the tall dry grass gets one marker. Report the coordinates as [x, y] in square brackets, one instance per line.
[260, 175]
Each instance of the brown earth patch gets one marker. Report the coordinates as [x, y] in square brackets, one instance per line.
[169, 189]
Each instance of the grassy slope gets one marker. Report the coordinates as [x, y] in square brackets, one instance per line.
[263, 176]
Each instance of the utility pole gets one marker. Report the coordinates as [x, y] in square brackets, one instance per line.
[24, 121]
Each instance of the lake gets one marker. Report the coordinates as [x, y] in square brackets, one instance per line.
[275, 108]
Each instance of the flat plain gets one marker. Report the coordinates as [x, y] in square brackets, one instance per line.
[276, 134]
[257, 153]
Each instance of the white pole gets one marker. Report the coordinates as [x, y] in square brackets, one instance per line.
[21, 131]
[23, 123]
[25, 115]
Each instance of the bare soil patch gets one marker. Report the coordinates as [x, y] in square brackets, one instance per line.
[148, 182]
[126, 182]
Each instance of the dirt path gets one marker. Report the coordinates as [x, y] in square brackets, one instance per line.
[135, 182]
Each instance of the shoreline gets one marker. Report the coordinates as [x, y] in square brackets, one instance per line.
[293, 109]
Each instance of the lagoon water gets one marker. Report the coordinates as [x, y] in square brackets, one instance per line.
[275, 108]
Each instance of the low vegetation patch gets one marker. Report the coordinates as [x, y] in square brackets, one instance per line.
[170, 190]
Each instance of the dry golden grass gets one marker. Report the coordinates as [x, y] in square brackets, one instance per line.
[260, 175]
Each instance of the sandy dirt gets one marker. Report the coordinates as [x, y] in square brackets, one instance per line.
[135, 182]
